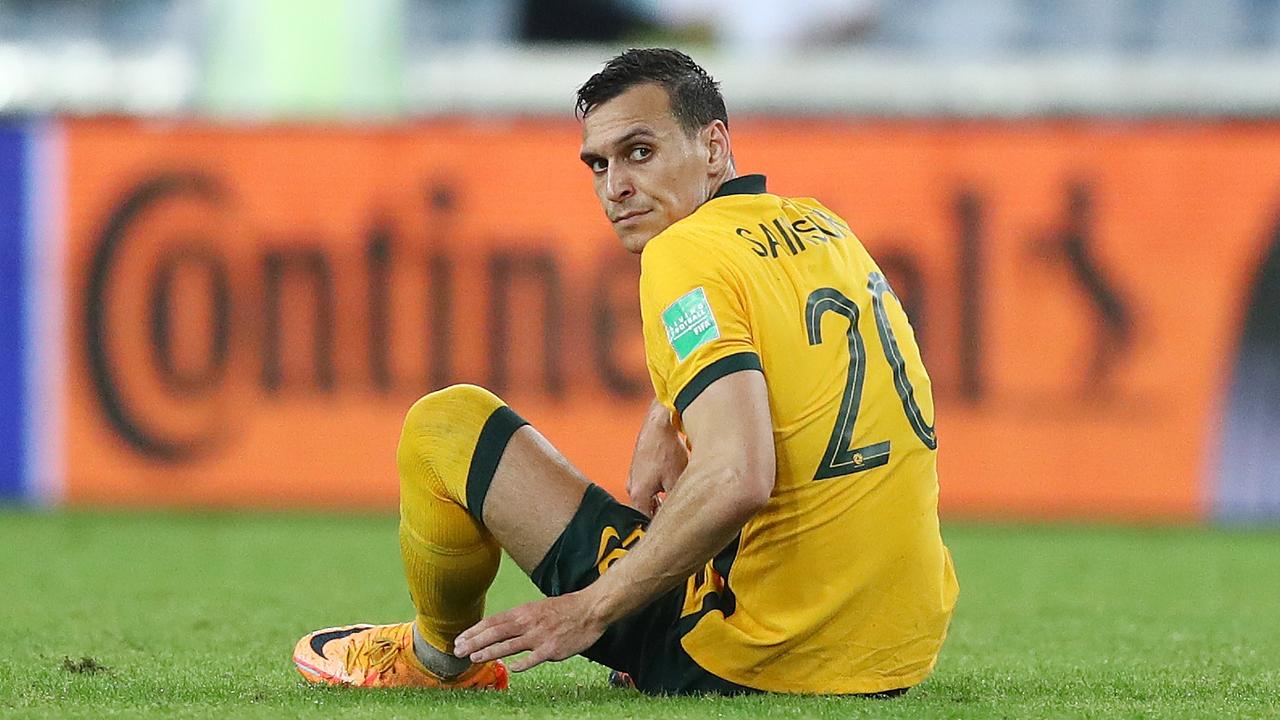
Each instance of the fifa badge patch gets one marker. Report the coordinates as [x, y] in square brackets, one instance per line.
[689, 323]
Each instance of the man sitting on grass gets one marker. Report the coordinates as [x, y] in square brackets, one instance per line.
[797, 548]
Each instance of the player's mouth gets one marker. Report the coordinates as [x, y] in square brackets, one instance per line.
[629, 216]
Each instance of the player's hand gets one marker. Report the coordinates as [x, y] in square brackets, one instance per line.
[552, 629]
[660, 458]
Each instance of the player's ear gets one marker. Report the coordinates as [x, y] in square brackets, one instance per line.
[717, 146]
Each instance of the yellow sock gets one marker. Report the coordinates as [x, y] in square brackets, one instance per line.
[450, 558]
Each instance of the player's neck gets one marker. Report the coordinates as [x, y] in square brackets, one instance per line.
[729, 174]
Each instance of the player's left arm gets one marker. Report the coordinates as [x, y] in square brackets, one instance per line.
[659, 459]
[730, 476]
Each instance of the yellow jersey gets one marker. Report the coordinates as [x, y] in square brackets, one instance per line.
[841, 583]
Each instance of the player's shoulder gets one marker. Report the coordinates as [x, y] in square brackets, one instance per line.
[710, 230]
[691, 240]
[813, 206]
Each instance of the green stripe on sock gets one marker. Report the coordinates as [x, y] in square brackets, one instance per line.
[494, 436]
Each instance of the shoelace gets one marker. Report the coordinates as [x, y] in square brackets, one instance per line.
[377, 654]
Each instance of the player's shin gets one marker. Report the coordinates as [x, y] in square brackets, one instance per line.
[448, 574]
[450, 559]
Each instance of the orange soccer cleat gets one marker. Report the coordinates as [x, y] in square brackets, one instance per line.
[381, 656]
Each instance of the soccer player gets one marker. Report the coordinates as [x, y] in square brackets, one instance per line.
[797, 548]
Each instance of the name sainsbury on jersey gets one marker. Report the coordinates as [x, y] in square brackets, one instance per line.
[815, 226]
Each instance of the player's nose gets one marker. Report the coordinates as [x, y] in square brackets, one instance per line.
[618, 185]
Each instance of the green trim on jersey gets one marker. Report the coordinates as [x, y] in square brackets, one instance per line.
[744, 185]
[713, 372]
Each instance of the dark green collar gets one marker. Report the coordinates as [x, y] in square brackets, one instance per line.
[744, 185]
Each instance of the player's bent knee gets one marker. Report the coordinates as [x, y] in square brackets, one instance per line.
[439, 438]
[454, 410]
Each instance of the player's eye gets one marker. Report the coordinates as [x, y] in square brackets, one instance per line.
[598, 165]
[640, 152]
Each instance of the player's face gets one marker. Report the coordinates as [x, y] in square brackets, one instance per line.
[648, 171]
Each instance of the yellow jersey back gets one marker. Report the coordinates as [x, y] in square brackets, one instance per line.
[841, 584]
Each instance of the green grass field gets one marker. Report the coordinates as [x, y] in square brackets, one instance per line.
[166, 615]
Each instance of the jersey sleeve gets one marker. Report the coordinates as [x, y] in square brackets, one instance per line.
[696, 326]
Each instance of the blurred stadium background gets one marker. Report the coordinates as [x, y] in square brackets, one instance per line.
[239, 237]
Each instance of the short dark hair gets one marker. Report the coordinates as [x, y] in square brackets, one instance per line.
[694, 96]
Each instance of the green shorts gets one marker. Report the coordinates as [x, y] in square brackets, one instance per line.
[646, 644]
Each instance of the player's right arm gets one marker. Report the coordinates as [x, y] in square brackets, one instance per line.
[730, 477]
[705, 368]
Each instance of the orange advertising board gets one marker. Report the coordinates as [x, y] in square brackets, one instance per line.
[250, 311]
